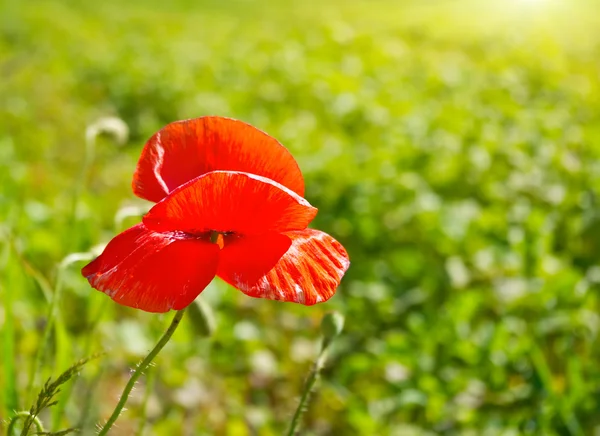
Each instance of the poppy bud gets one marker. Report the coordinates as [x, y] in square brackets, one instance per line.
[128, 212]
[331, 326]
[76, 257]
[202, 318]
[112, 126]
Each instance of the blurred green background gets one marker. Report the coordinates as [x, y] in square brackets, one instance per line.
[452, 146]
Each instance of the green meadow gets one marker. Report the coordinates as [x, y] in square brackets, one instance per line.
[453, 148]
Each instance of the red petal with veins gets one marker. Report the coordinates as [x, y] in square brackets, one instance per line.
[152, 271]
[308, 272]
[184, 150]
[249, 258]
[228, 201]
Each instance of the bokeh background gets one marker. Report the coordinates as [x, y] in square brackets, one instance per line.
[451, 146]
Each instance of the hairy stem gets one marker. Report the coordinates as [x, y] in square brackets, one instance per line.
[313, 376]
[139, 370]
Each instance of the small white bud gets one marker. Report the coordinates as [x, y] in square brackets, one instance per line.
[112, 126]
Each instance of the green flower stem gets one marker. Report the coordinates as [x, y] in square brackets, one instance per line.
[308, 387]
[23, 415]
[140, 369]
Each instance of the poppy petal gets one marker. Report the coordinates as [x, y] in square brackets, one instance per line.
[251, 257]
[184, 150]
[229, 201]
[152, 271]
[308, 272]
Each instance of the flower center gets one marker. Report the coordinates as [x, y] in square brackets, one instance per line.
[218, 238]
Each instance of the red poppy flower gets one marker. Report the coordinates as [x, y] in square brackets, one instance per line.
[229, 203]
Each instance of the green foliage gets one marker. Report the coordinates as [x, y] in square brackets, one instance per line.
[451, 146]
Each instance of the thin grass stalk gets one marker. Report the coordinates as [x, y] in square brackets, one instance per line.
[24, 415]
[59, 410]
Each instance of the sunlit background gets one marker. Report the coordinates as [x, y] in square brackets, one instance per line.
[452, 146]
